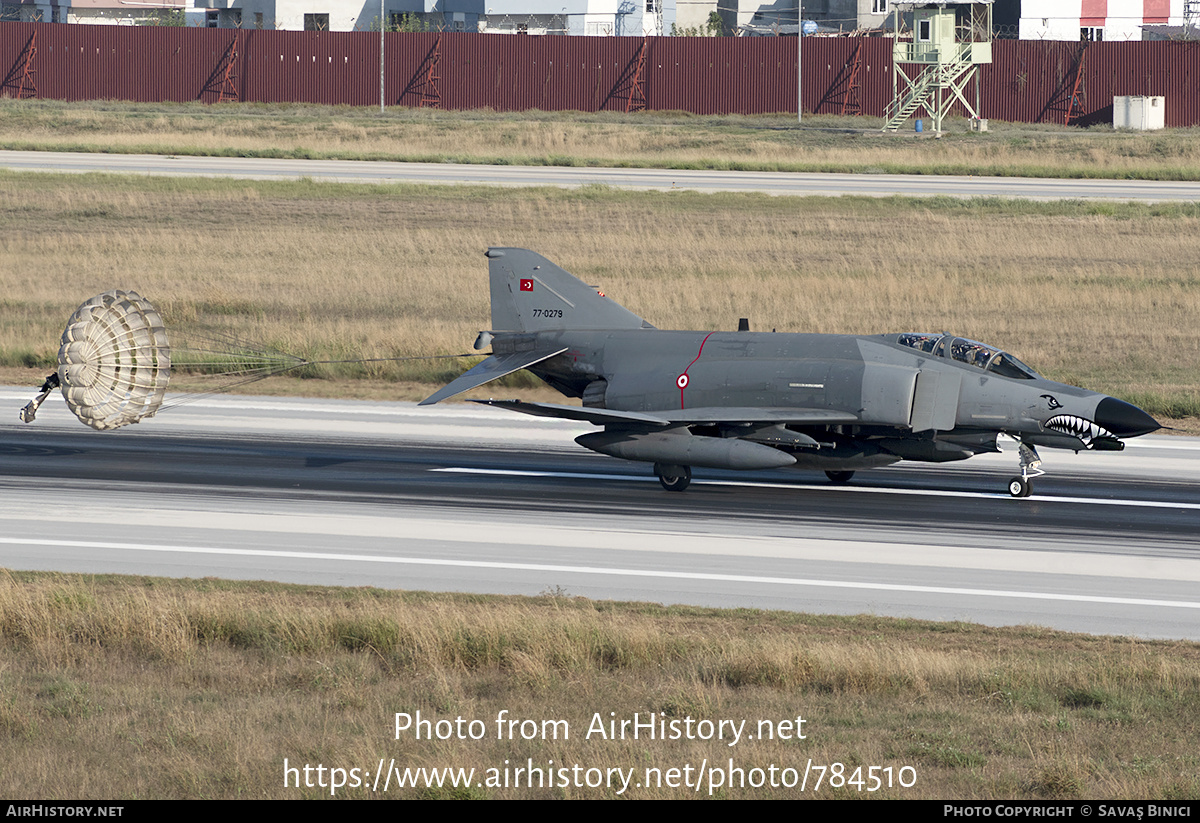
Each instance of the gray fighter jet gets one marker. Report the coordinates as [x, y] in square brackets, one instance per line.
[745, 400]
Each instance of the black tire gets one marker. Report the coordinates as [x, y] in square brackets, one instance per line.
[1019, 487]
[674, 478]
[839, 477]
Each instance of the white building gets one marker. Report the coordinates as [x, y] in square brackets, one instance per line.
[534, 17]
[110, 12]
[781, 17]
[301, 15]
[1028, 19]
[605, 18]
[1099, 19]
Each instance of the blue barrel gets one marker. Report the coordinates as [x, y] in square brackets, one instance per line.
[920, 127]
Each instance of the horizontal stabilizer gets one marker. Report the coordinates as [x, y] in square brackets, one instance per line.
[494, 367]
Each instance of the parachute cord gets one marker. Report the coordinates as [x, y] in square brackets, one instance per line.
[393, 359]
[190, 397]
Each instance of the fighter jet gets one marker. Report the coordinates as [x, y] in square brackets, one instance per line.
[747, 400]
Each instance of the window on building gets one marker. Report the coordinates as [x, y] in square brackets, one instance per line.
[212, 18]
[316, 22]
[879, 6]
[1091, 34]
[924, 31]
[233, 18]
[258, 19]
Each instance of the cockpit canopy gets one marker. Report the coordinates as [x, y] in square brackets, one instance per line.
[971, 352]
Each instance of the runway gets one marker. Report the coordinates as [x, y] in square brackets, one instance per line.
[466, 498]
[772, 183]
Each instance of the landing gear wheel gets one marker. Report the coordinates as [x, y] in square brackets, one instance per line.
[1031, 467]
[839, 477]
[673, 478]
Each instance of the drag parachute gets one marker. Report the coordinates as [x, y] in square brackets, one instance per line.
[115, 361]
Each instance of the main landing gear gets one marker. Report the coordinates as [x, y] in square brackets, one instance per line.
[839, 477]
[673, 478]
[1030, 468]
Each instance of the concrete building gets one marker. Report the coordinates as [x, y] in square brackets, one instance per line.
[780, 17]
[1100, 19]
[602, 18]
[110, 12]
[636, 18]
[295, 15]
[533, 17]
[1027, 19]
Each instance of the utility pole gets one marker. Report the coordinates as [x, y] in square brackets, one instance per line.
[381, 30]
[799, 60]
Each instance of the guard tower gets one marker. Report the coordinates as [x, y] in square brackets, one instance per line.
[1191, 16]
[935, 60]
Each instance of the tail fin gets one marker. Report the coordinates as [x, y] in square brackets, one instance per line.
[530, 294]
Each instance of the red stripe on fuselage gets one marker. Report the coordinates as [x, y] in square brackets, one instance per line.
[694, 359]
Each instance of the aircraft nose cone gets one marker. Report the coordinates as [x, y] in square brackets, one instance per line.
[1124, 419]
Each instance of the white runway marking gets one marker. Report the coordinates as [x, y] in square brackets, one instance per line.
[1152, 504]
[594, 570]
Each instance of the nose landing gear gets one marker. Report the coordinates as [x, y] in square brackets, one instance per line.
[1030, 464]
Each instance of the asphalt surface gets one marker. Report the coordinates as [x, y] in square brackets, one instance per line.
[774, 183]
[465, 498]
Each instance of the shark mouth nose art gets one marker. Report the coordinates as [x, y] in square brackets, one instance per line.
[1087, 431]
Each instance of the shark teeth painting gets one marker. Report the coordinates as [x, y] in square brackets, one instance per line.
[1087, 431]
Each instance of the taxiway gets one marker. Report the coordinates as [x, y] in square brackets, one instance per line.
[701, 180]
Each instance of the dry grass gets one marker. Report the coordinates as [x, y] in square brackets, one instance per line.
[149, 688]
[1094, 294]
[843, 144]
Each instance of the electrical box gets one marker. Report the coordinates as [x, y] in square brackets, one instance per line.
[1140, 113]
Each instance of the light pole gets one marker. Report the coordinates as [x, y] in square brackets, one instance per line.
[799, 60]
[381, 29]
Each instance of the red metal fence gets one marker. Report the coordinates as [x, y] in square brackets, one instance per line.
[1030, 81]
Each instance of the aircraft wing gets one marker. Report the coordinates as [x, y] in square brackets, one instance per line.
[597, 417]
[713, 414]
[494, 367]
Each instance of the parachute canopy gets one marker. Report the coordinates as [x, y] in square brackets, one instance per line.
[115, 361]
